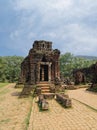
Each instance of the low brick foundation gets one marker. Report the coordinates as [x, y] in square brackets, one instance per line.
[64, 100]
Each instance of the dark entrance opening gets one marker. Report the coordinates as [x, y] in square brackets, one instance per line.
[44, 73]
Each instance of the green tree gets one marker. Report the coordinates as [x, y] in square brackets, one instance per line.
[10, 68]
[68, 62]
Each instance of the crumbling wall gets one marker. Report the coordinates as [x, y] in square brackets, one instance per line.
[81, 74]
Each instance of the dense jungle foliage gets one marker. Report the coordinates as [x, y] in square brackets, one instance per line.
[69, 62]
[10, 66]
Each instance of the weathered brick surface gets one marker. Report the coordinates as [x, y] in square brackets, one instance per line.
[90, 72]
[42, 103]
[41, 64]
[64, 100]
[79, 117]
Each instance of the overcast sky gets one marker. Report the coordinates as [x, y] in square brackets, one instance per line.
[70, 24]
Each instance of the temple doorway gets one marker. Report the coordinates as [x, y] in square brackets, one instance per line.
[44, 73]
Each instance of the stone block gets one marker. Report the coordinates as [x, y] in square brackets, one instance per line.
[64, 100]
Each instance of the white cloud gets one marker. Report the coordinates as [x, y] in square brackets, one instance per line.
[41, 4]
[83, 40]
[64, 22]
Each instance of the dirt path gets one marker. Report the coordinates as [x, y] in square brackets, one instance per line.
[84, 96]
[4, 87]
[79, 117]
[13, 111]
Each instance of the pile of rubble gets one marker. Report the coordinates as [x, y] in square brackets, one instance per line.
[43, 104]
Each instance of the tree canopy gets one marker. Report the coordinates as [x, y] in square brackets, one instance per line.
[69, 62]
[10, 68]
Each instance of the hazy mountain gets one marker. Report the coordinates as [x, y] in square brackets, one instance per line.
[87, 57]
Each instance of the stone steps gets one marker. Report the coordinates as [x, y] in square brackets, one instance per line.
[45, 87]
[42, 83]
[45, 90]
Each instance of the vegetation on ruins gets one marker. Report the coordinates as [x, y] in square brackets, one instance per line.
[69, 62]
[10, 66]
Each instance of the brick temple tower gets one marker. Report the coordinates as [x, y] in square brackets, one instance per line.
[41, 64]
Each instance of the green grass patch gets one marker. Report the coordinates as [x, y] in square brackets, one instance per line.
[3, 84]
[5, 121]
[19, 86]
[27, 119]
[28, 116]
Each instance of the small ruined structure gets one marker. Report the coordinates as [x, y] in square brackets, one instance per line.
[41, 66]
[80, 75]
[94, 73]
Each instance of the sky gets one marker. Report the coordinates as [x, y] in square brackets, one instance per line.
[71, 25]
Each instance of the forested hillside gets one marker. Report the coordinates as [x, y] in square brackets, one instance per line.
[69, 62]
[87, 57]
[10, 68]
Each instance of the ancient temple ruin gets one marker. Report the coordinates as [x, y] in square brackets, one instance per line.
[80, 75]
[41, 64]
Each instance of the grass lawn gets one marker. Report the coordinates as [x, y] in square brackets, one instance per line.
[3, 84]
